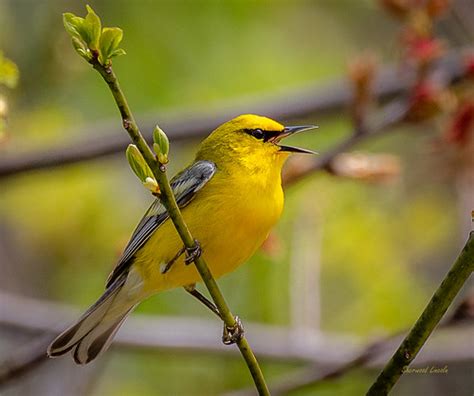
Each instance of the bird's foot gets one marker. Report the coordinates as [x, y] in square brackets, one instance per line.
[233, 334]
[193, 253]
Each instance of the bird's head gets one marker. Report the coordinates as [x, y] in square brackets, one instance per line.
[251, 139]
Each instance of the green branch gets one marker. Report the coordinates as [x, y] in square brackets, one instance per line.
[429, 319]
[97, 47]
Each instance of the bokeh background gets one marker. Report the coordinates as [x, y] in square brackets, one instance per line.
[352, 259]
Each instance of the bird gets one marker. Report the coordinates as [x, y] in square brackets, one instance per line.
[230, 198]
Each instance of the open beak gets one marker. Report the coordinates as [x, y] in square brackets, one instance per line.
[291, 130]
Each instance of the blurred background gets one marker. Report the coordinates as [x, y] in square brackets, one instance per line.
[369, 229]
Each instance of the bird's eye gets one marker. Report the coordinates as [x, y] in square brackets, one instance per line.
[258, 133]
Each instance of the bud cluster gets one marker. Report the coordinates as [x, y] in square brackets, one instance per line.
[90, 40]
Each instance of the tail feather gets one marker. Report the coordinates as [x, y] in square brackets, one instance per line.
[98, 340]
[94, 331]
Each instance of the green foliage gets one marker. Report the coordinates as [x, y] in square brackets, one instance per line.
[9, 73]
[161, 145]
[8, 77]
[93, 27]
[90, 40]
[109, 42]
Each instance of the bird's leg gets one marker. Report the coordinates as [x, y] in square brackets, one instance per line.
[231, 335]
[193, 253]
[170, 263]
[191, 289]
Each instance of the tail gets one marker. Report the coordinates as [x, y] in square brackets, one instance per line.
[94, 331]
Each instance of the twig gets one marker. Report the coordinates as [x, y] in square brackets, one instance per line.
[424, 326]
[169, 201]
[187, 124]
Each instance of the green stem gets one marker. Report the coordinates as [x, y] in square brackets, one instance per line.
[424, 326]
[169, 201]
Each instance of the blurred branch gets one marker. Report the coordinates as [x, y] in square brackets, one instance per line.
[28, 356]
[187, 124]
[336, 354]
[146, 332]
[424, 326]
[393, 114]
[446, 346]
[25, 358]
[311, 376]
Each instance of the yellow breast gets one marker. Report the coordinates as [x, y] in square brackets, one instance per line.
[230, 216]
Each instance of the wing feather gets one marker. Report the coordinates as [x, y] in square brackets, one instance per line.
[185, 185]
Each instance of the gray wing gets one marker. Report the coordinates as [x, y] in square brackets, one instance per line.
[185, 185]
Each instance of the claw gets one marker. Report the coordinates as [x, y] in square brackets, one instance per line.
[233, 334]
[193, 253]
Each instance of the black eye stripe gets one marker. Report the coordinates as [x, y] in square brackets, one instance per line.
[260, 134]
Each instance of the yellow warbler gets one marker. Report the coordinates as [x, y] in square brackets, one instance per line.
[230, 197]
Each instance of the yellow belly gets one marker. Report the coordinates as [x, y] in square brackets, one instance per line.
[229, 224]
